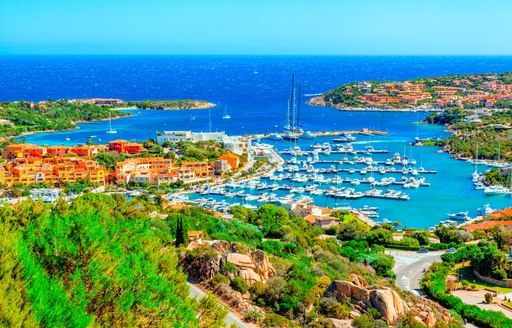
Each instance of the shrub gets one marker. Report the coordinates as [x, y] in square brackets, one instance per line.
[363, 321]
[239, 284]
[229, 267]
[253, 316]
[488, 298]
[276, 320]
[219, 278]
[333, 309]
[465, 283]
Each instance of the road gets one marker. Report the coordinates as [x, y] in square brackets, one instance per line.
[409, 268]
[230, 319]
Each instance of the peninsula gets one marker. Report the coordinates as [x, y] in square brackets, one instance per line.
[23, 117]
[428, 94]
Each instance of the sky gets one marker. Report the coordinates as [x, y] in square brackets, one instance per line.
[270, 27]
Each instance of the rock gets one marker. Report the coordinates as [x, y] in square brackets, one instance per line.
[358, 280]
[342, 290]
[206, 261]
[249, 275]
[220, 246]
[387, 301]
[263, 266]
[337, 323]
[240, 260]
[354, 314]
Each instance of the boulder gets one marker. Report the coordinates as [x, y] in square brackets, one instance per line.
[387, 301]
[249, 275]
[263, 266]
[337, 323]
[358, 280]
[240, 260]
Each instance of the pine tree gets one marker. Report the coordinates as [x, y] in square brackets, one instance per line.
[179, 232]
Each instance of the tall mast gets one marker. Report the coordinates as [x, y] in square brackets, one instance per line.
[298, 105]
[292, 104]
[209, 120]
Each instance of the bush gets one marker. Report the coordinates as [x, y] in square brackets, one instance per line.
[488, 298]
[275, 320]
[333, 309]
[219, 278]
[363, 321]
[433, 284]
[239, 284]
[229, 267]
[421, 237]
[465, 284]
[253, 316]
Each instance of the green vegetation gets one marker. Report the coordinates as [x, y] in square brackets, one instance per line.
[169, 104]
[433, 283]
[492, 133]
[59, 115]
[99, 261]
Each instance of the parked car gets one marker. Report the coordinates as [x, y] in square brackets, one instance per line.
[423, 251]
[451, 250]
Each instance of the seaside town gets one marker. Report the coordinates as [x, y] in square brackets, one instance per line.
[433, 94]
[307, 180]
[256, 164]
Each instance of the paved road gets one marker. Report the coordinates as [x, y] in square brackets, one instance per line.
[409, 268]
[230, 319]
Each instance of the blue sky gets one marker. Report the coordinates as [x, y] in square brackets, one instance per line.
[326, 27]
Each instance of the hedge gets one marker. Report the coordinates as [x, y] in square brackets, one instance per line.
[433, 283]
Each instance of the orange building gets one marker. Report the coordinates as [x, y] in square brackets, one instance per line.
[123, 146]
[23, 151]
[200, 169]
[232, 159]
[54, 171]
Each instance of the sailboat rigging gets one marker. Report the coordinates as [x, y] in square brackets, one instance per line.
[226, 116]
[110, 130]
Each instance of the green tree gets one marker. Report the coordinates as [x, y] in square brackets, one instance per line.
[210, 312]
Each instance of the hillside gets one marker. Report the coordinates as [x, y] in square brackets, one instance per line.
[433, 93]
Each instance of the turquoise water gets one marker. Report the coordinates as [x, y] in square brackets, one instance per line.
[256, 89]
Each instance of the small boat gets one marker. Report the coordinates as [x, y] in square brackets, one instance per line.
[193, 118]
[308, 135]
[485, 210]
[110, 130]
[291, 136]
[496, 191]
[67, 139]
[275, 137]
[226, 116]
[460, 216]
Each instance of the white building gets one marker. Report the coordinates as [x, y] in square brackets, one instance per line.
[236, 144]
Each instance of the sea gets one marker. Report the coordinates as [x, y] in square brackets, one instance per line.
[254, 91]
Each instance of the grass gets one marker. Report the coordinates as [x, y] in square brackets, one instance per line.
[467, 274]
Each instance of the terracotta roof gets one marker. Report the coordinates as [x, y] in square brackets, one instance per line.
[506, 212]
[194, 233]
[486, 225]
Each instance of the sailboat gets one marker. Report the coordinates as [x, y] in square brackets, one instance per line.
[226, 116]
[110, 130]
[292, 129]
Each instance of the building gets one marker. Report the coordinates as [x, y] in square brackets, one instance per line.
[126, 147]
[236, 144]
[32, 151]
[53, 171]
[323, 222]
[23, 151]
[146, 170]
[313, 215]
[232, 159]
